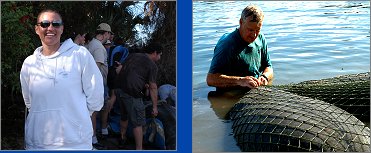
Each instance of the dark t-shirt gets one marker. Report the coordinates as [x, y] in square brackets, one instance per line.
[235, 57]
[137, 70]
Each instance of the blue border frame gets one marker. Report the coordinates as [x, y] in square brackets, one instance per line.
[184, 75]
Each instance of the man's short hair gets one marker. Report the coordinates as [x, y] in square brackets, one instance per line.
[152, 47]
[254, 11]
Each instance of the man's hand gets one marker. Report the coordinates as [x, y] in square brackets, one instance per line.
[110, 104]
[154, 111]
[118, 67]
[263, 81]
[249, 81]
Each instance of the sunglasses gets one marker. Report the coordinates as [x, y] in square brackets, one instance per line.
[46, 24]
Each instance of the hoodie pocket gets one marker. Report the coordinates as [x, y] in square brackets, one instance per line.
[51, 127]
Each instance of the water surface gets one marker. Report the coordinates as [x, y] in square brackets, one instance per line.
[306, 40]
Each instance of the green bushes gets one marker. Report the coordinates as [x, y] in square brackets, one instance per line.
[16, 43]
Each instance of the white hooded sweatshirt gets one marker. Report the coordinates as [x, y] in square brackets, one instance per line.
[61, 91]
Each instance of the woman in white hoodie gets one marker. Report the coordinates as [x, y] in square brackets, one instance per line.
[61, 86]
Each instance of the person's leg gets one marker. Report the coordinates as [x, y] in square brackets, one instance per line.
[95, 142]
[135, 111]
[104, 119]
[138, 118]
[123, 128]
[105, 111]
[138, 136]
[124, 115]
[94, 122]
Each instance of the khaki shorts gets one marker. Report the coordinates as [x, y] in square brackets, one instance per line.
[131, 108]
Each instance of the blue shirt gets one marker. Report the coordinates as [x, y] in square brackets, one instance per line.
[235, 57]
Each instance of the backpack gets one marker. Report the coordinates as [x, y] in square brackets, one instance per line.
[117, 53]
[154, 134]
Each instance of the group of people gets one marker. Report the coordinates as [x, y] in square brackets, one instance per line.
[64, 86]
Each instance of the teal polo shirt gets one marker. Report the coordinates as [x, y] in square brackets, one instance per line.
[235, 57]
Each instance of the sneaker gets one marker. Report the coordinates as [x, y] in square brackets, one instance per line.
[98, 146]
[105, 132]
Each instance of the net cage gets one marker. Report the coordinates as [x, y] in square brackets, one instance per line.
[272, 119]
[349, 92]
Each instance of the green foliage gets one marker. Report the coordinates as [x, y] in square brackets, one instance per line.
[119, 15]
[161, 16]
[16, 36]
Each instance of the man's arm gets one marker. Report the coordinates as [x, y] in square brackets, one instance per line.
[153, 93]
[222, 81]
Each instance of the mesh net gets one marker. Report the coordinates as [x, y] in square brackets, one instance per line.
[349, 92]
[270, 119]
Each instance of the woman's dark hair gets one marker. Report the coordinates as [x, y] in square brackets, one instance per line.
[88, 37]
[48, 10]
[74, 35]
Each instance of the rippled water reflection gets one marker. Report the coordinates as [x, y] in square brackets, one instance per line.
[306, 40]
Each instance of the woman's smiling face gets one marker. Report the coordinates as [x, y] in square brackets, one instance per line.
[51, 34]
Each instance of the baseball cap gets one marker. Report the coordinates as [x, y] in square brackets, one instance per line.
[104, 27]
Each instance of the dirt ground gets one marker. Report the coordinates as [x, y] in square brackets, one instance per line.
[12, 132]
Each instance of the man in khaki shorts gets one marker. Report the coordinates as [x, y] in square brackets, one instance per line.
[96, 48]
[138, 70]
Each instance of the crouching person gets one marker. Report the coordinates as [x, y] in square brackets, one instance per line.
[138, 70]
